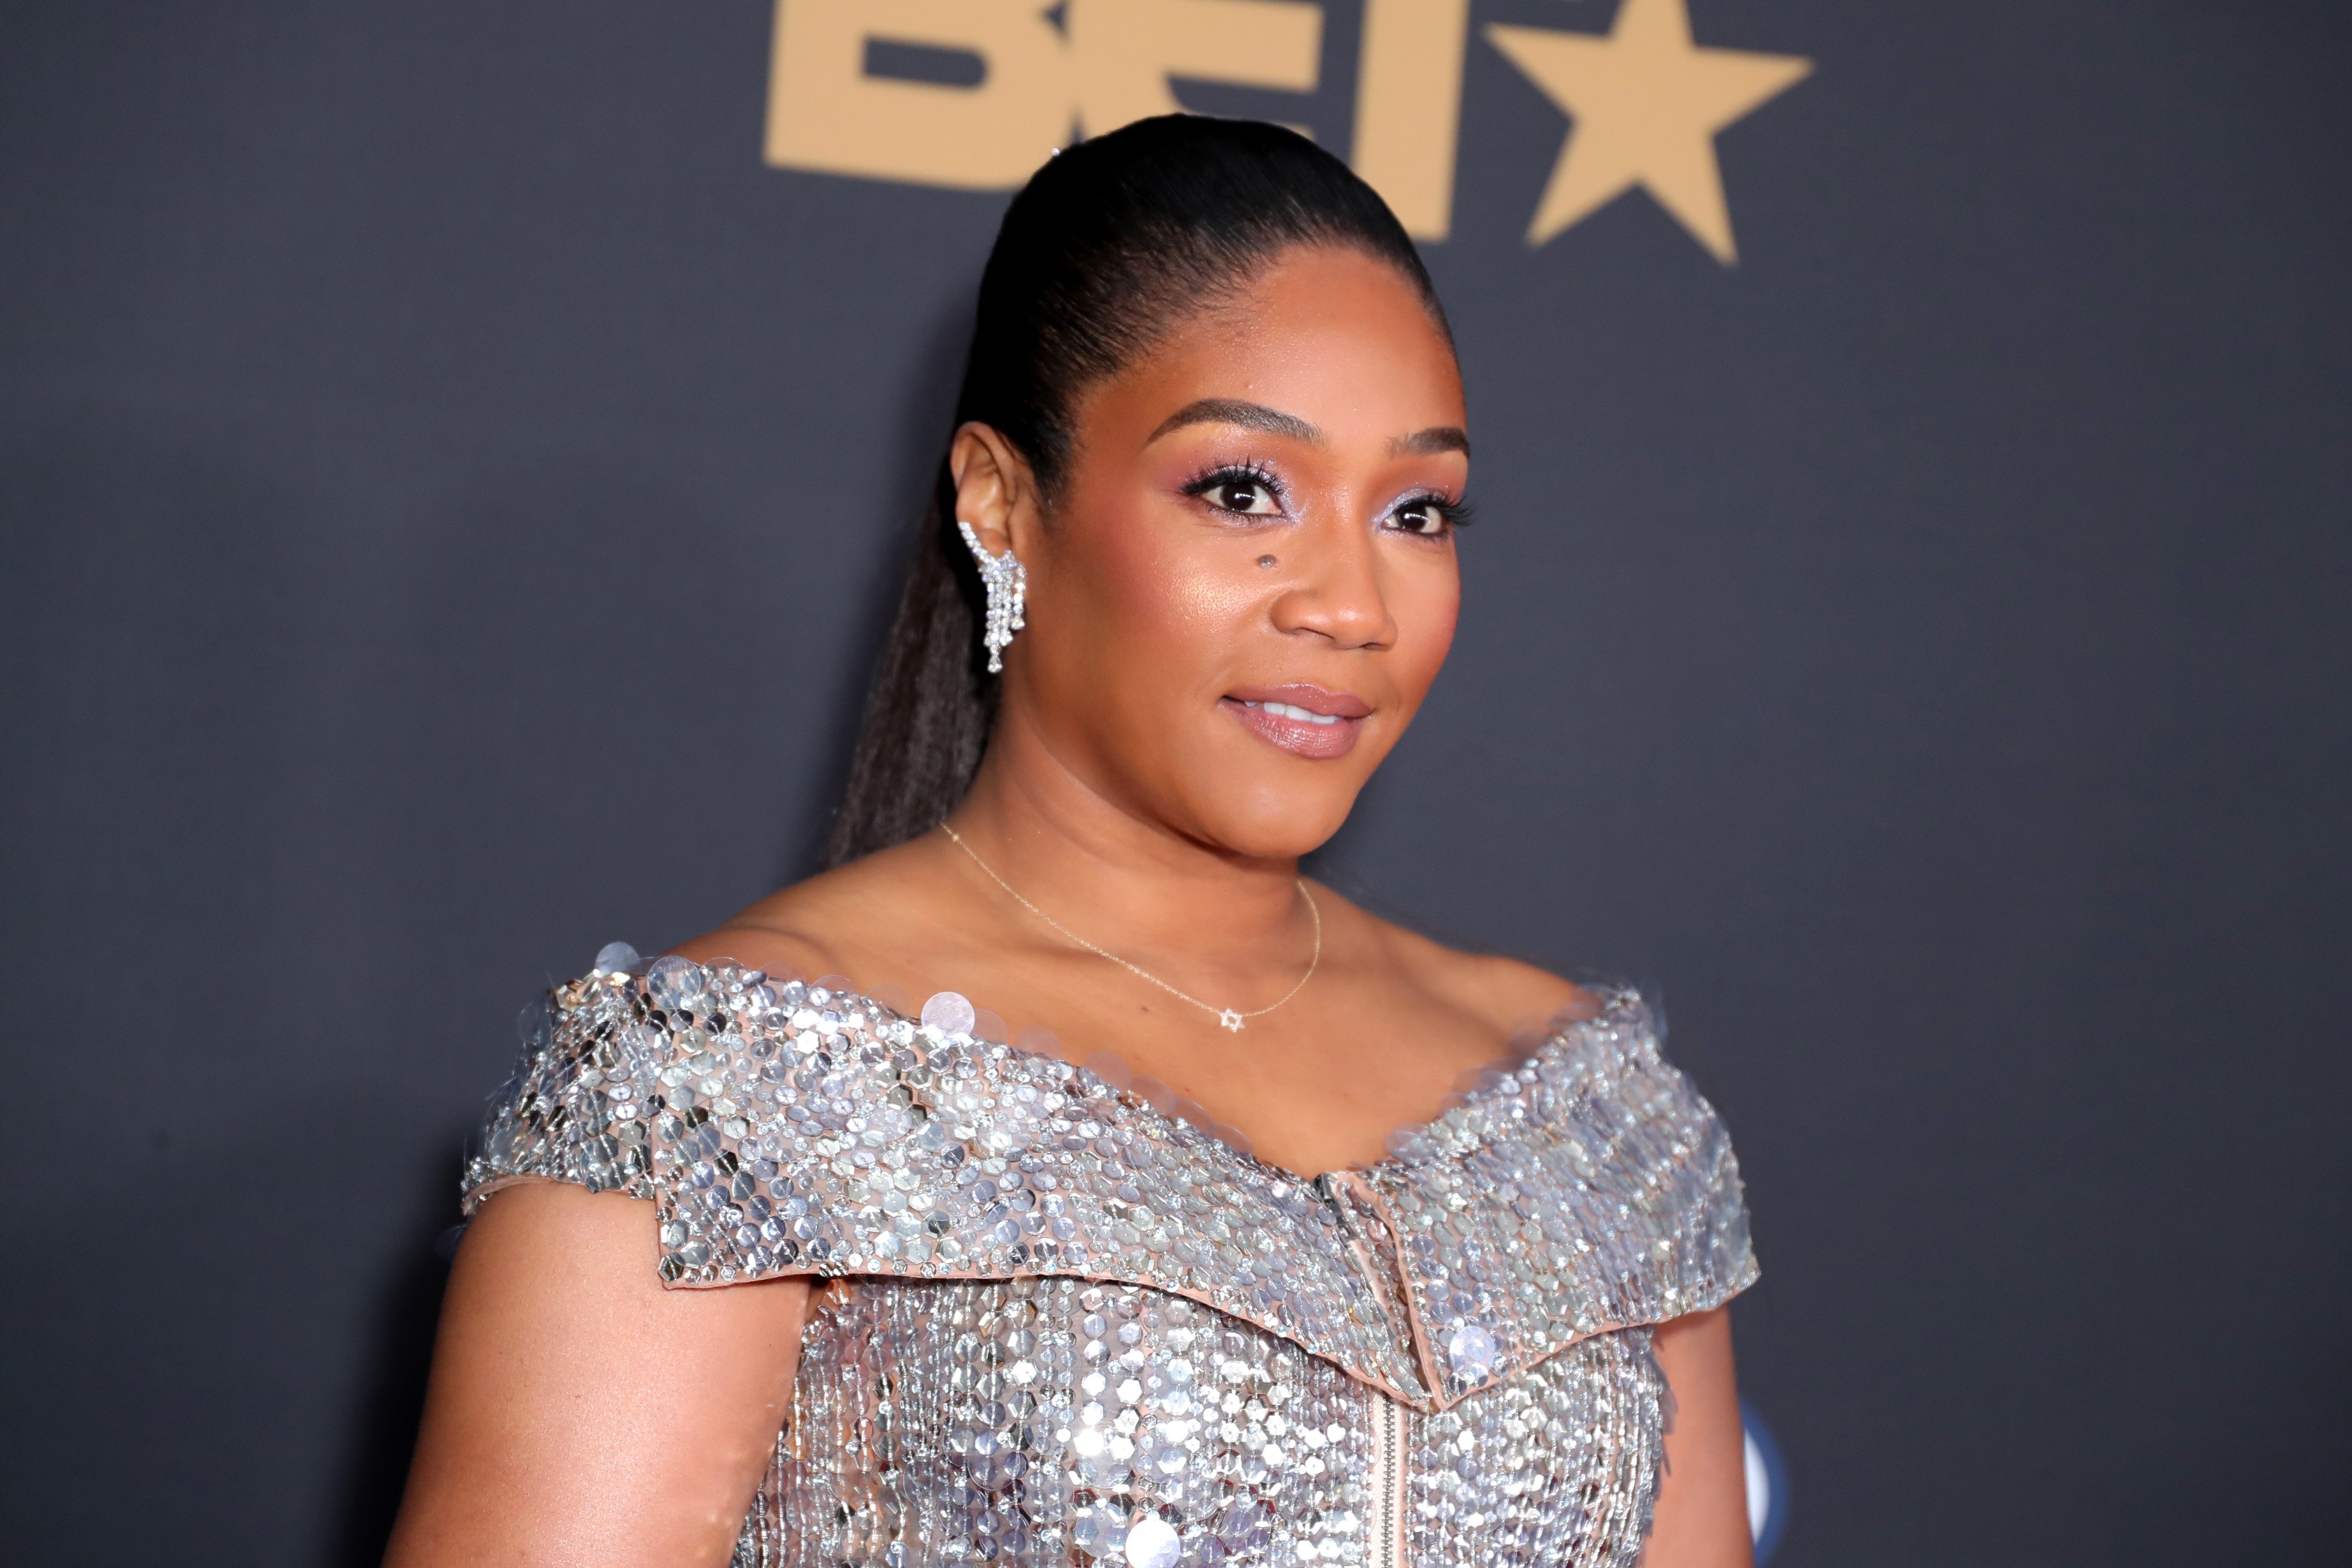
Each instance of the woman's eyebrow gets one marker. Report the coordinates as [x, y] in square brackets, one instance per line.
[1436, 438]
[1274, 422]
[1233, 411]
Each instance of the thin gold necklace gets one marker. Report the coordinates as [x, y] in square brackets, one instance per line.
[1226, 1016]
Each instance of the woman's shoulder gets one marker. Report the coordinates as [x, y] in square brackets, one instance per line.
[828, 923]
[1508, 995]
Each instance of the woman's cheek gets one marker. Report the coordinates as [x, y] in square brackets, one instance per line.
[1166, 583]
[1427, 627]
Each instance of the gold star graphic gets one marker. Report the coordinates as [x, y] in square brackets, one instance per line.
[1645, 104]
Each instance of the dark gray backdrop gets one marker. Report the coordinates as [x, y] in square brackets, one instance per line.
[450, 486]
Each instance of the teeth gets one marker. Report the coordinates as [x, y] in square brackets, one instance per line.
[1285, 711]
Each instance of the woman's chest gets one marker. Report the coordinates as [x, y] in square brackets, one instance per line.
[1317, 1084]
[1060, 1420]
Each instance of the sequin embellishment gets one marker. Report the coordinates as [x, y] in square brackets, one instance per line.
[1066, 1328]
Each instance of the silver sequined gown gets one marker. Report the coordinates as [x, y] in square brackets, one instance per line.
[1059, 1326]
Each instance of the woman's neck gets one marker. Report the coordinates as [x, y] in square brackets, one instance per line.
[1138, 883]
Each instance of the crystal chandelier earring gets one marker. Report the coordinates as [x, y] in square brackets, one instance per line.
[1007, 582]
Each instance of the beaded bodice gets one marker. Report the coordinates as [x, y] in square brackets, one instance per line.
[1064, 1327]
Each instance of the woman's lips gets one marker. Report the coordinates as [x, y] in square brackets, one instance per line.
[1304, 720]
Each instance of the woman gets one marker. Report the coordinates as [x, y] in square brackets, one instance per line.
[907, 1293]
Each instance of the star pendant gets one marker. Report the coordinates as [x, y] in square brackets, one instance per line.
[1231, 1020]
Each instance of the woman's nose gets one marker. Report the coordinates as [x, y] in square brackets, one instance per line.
[1334, 592]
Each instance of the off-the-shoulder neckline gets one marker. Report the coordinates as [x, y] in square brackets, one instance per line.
[1565, 1025]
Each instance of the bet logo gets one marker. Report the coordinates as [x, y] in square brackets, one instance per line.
[973, 94]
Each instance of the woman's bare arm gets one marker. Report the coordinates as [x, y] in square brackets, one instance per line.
[580, 1414]
[1703, 1500]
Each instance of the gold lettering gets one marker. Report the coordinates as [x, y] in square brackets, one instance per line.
[1409, 107]
[826, 113]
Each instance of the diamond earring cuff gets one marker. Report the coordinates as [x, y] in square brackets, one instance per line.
[1007, 582]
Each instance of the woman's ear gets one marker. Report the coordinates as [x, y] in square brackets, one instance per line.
[995, 491]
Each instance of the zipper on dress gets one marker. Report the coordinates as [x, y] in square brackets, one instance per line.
[1387, 1522]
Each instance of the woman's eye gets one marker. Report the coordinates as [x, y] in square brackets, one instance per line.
[1426, 515]
[1253, 498]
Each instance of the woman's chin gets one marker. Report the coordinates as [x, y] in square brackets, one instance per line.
[1283, 830]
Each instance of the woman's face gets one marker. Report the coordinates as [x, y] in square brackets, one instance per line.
[1248, 582]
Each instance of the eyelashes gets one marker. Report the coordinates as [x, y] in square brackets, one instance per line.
[1244, 490]
[1441, 514]
[1251, 489]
